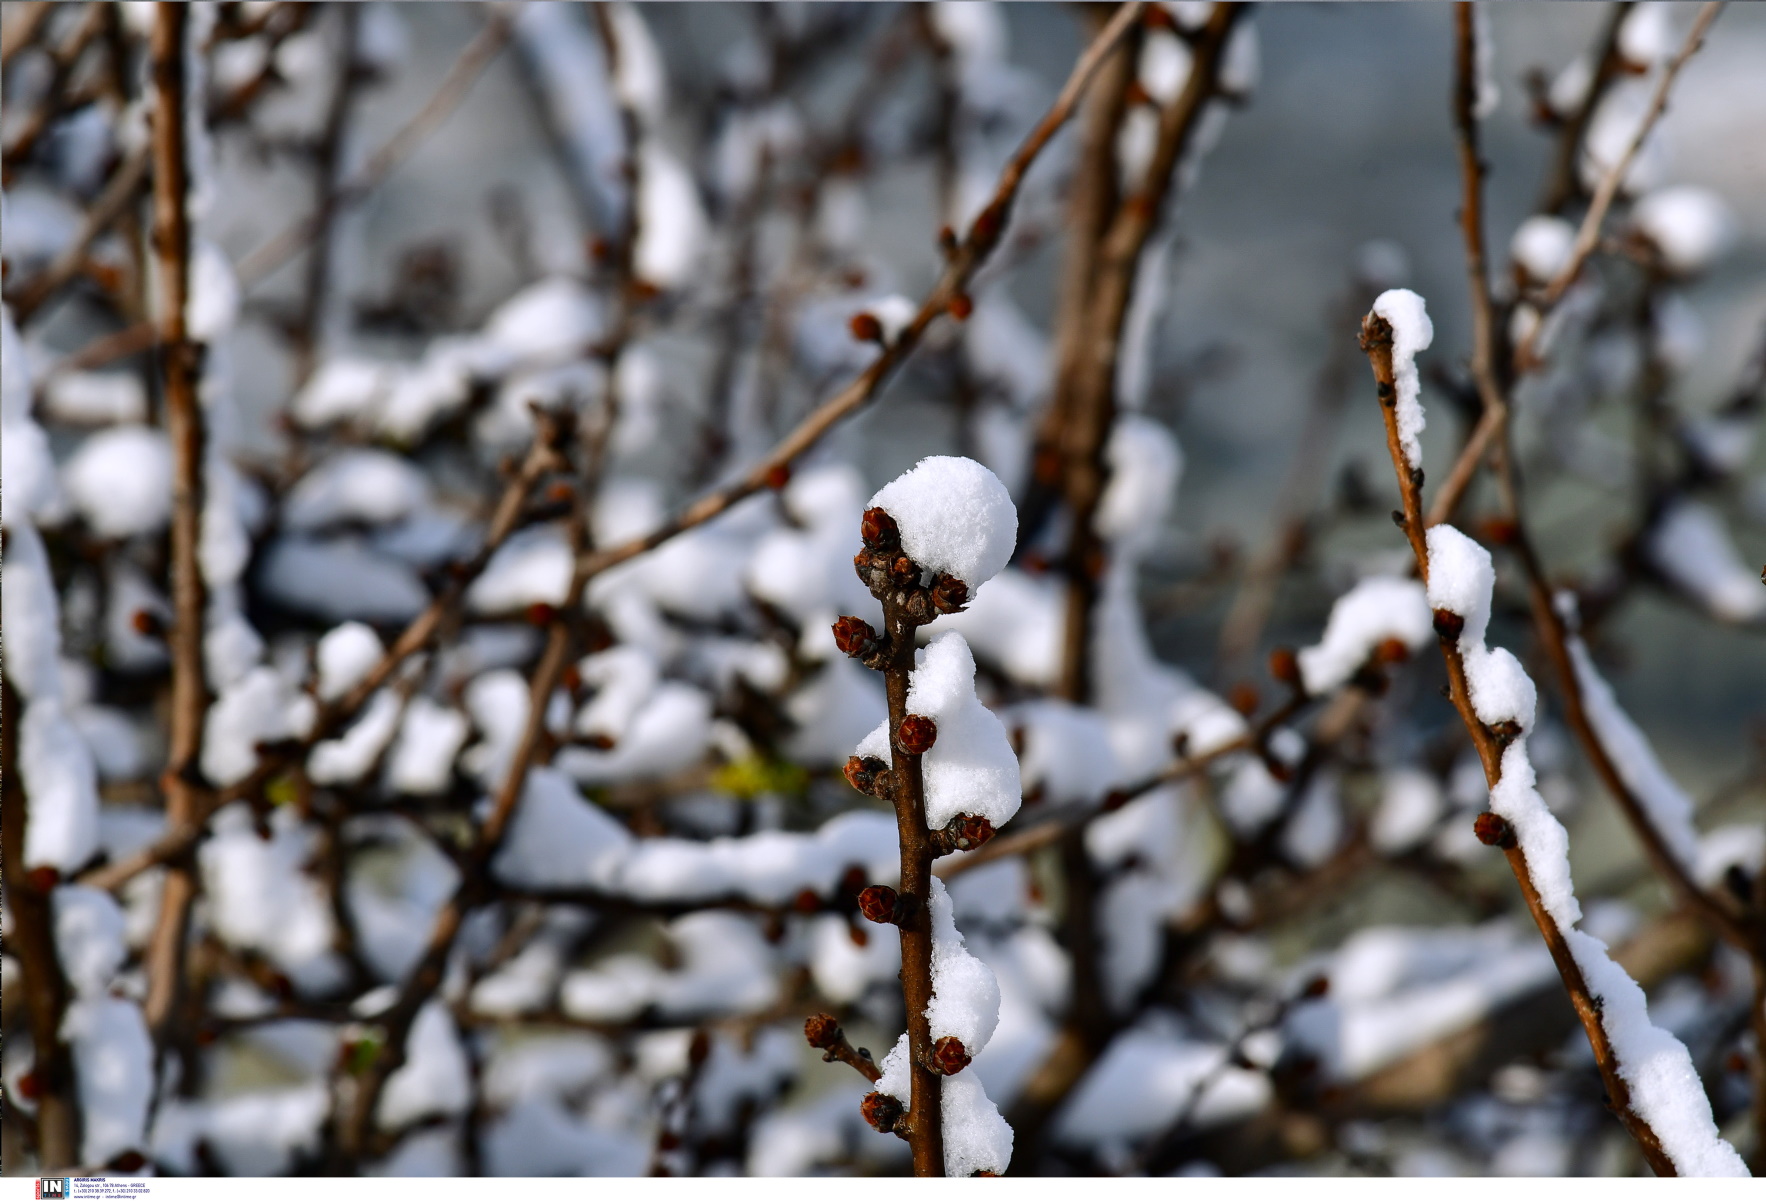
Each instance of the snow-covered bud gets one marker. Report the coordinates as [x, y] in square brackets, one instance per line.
[949, 1056]
[1494, 831]
[881, 1110]
[879, 531]
[822, 1030]
[1506, 731]
[949, 594]
[855, 637]
[1448, 625]
[877, 903]
[917, 734]
[866, 774]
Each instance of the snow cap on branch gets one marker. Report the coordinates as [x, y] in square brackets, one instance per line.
[1412, 332]
[955, 517]
[971, 768]
[1369, 614]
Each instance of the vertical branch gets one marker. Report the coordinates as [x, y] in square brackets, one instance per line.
[328, 159]
[1563, 184]
[180, 365]
[32, 939]
[925, 1110]
[1376, 338]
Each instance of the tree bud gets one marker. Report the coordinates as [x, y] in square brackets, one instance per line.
[917, 734]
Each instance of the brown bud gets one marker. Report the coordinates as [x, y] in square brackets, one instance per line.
[949, 594]
[559, 491]
[972, 831]
[1316, 987]
[960, 307]
[1392, 650]
[1137, 95]
[699, 1050]
[778, 475]
[917, 734]
[599, 741]
[879, 530]
[949, 1056]
[964, 832]
[821, 1030]
[1500, 531]
[540, 614]
[859, 935]
[1448, 625]
[866, 774]
[1284, 665]
[865, 328]
[988, 224]
[43, 879]
[1494, 831]
[147, 623]
[1506, 731]
[877, 903]
[572, 679]
[1243, 697]
[1398, 518]
[806, 901]
[853, 881]
[30, 1086]
[903, 572]
[1157, 16]
[947, 241]
[855, 637]
[881, 1110]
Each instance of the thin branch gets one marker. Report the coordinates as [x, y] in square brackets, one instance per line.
[983, 236]
[1588, 236]
[1377, 341]
[181, 364]
[1563, 184]
[447, 96]
[118, 195]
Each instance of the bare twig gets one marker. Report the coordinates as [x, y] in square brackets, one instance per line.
[1588, 235]
[447, 96]
[125, 183]
[1377, 341]
[181, 359]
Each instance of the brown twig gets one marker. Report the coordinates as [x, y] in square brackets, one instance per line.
[1563, 184]
[825, 1035]
[327, 159]
[25, 27]
[1377, 342]
[982, 238]
[119, 193]
[180, 359]
[447, 96]
[1588, 235]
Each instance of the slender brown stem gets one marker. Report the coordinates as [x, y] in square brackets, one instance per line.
[1564, 184]
[447, 96]
[1377, 341]
[326, 162]
[1588, 235]
[180, 360]
[119, 193]
[1094, 402]
[27, 23]
[982, 238]
[925, 1121]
